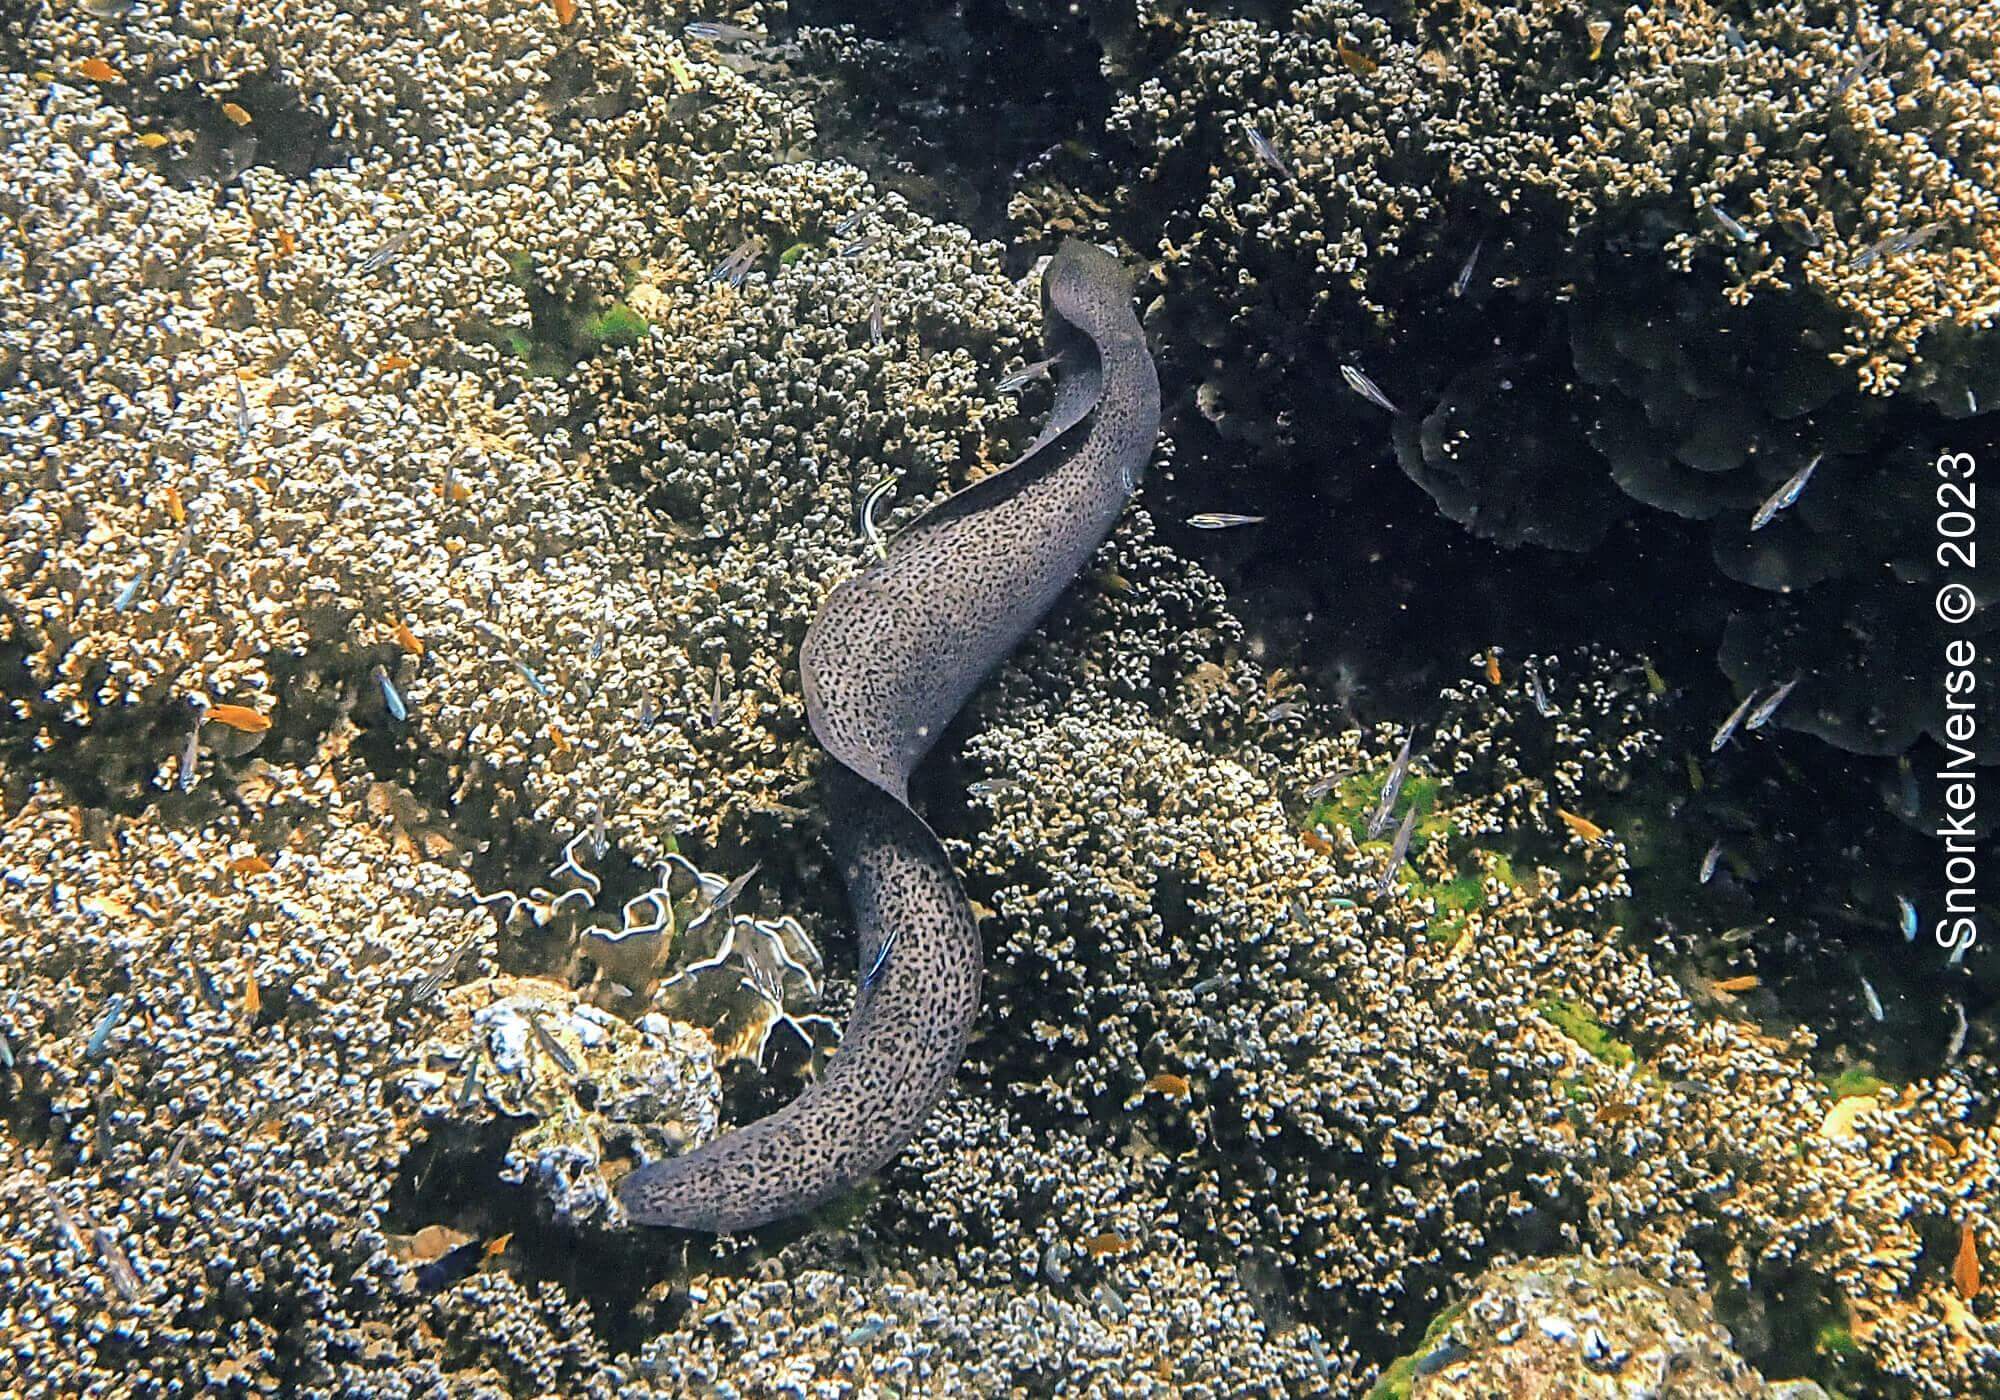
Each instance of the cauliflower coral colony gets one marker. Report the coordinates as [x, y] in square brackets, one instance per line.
[428, 431]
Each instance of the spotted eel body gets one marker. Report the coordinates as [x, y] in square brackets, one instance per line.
[893, 655]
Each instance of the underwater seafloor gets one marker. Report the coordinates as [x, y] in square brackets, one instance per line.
[428, 427]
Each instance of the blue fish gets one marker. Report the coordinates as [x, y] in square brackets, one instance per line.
[875, 969]
[391, 697]
[106, 1023]
[1906, 919]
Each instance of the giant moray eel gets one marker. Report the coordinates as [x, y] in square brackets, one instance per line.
[892, 656]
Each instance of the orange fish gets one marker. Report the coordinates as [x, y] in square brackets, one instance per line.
[1616, 1112]
[1747, 982]
[239, 717]
[98, 71]
[174, 506]
[1965, 1268]
[453, 489]
[1355, 59]
[287, 245]
[565, 12]
[394, 361]
[1097, 1246]
[1317, 843]
[153, 140]
[408, 640]
[497, 1245]
[1172, 1085]
[250, 865]
[1493, 668]
[557, 738]
[253, 1000]
[262, 483]
[239, 115]
[1582, 826]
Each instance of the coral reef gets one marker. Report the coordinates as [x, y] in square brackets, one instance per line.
[1642, 265]
[1570, 1327]
[525, 1048]
[308, 688]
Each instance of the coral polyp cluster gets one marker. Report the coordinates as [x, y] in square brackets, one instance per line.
[408, 523]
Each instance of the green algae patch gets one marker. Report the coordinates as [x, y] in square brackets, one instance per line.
[1850, 1082]
[563, 329]
[1354, 800]
[1397, 1382]
[1586, 1030]
[793, 254]
[617, 324]
[1836, 1339]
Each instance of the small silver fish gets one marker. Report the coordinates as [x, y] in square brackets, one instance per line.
[599, 842]
[123, 1277]
[1026, 375]
[1222, 520]
[1392, 789]
[205, 985]
[846, 227]
[564, 1060]
[1539, 695]
[470, 1085]
[1895, 245]
[1862, 67]
[869, 530]
[1322, 787]
[1265, 151]
[190, 759]
[6, 1052]
[125, 596]
[385, 252]
[1761, 716]
[1785, 495]
[1957, 1041]
[1729, 224]
[736, 267]
[1906, 918]
[1464, 278]
[858, 246]
[991, 787]
[242, 408]
[1874, 1002]
[717, 31]
[532, 679]
[65, 1222]
[179, 1152]
[1398, 849]
[391, 697]
[1284, 710]
[1367, 388]
[729, 893]
[875, 324]
[715, 701]
[434, 979]
[101, 1036]
[1734, 722]
[1710, 861]
[649, 712]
